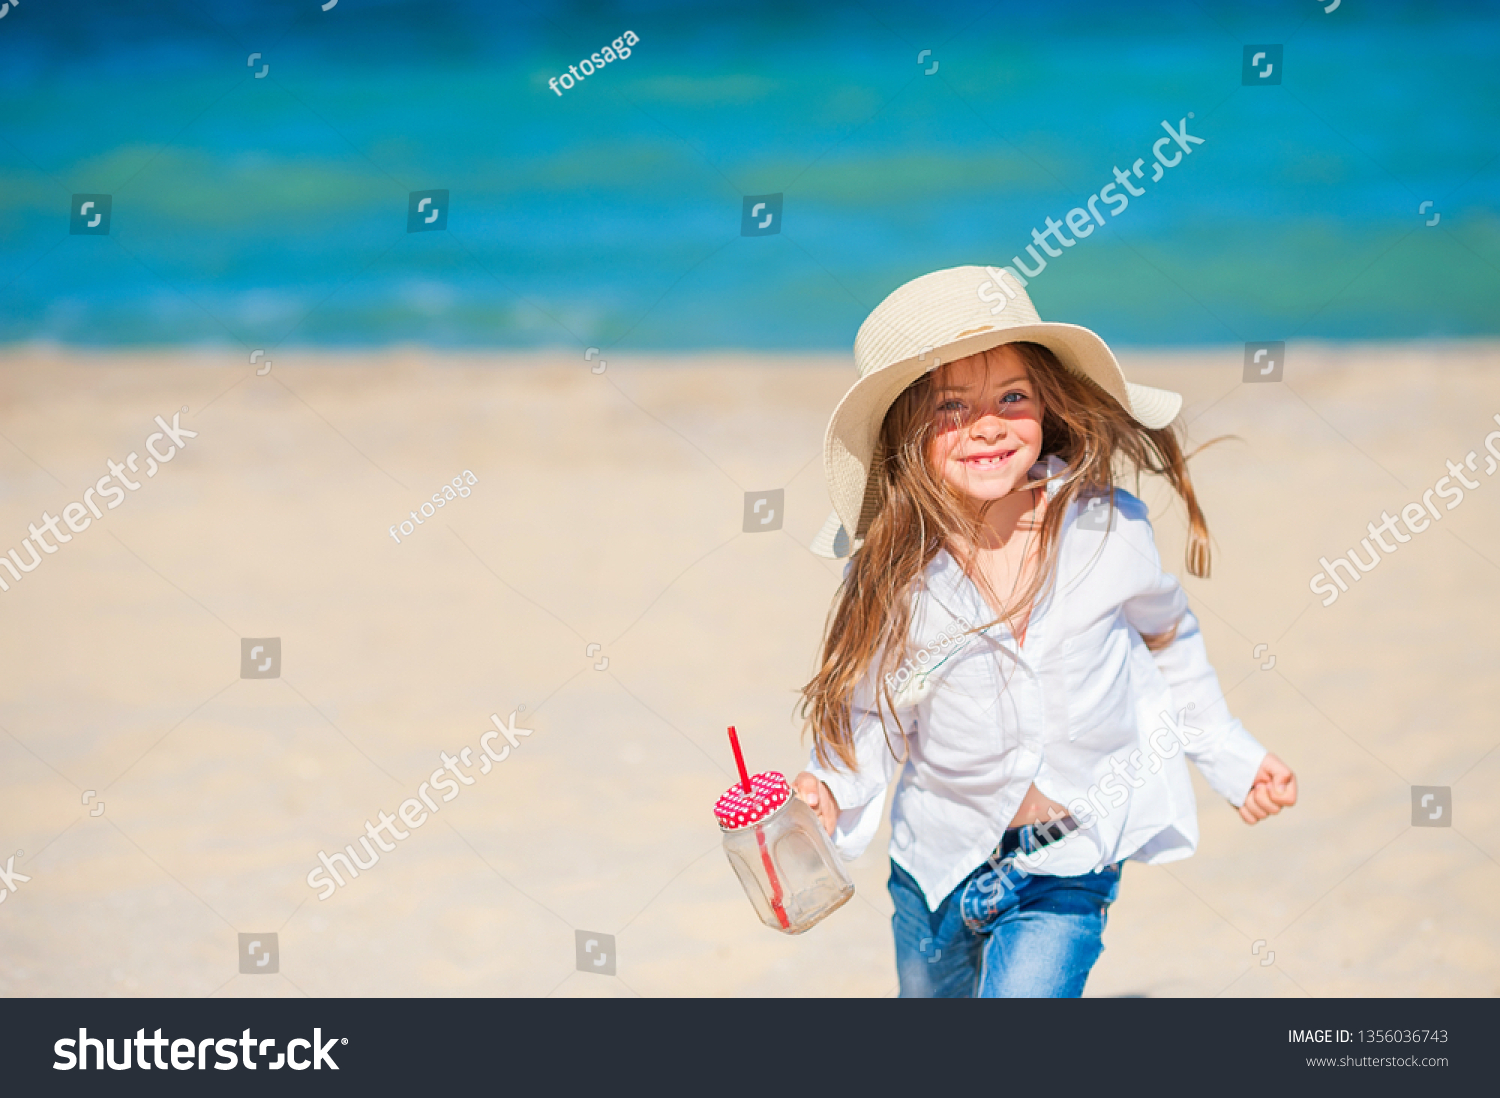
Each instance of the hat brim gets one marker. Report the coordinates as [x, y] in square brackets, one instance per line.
[833, 541]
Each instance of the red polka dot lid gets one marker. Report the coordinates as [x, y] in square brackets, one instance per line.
[737, 808]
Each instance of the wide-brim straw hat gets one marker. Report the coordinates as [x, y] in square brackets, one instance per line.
[942, 317]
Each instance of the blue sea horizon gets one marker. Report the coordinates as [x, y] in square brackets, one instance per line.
[254, 211]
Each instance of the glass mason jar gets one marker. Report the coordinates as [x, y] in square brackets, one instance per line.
[782, 856]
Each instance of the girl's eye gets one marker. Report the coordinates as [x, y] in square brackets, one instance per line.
[956, 407]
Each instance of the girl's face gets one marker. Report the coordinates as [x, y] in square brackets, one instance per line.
[988, 424]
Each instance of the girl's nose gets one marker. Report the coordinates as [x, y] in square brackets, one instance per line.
[989, 426]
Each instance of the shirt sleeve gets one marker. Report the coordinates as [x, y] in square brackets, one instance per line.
[860, 791]
[1226, 754]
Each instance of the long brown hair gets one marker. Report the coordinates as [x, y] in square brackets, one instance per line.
[920, 513]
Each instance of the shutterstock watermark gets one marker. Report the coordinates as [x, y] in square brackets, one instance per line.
[411, 812]
[1083, 220]
[10, 879]
[78, 516]
[1414, 516]
[1167, 741]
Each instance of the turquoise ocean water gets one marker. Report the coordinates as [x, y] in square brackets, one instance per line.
[266, 211]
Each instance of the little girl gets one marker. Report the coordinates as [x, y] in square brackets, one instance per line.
[1006, 641]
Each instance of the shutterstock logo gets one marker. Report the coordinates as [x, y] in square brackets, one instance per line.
[90, 215]
[188, 1054]
[427, 211]
[761, 215]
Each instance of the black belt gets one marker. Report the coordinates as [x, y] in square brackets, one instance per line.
[1032, 837]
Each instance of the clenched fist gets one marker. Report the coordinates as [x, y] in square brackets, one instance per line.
[1274, 788]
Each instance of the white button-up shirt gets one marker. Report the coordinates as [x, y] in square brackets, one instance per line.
[1082, 709]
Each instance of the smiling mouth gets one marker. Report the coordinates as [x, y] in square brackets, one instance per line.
[988, 461]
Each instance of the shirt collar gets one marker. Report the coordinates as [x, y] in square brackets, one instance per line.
[1050, 466]
[946, 582]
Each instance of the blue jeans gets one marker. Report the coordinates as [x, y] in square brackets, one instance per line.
[998, 939]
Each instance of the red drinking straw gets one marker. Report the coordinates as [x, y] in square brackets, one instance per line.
[760, 838]
[765, 857]
[739, 759]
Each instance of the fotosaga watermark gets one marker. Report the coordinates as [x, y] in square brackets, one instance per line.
[618, 50]
[458, 486]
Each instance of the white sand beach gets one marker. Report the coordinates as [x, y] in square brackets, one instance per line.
[606, 509]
